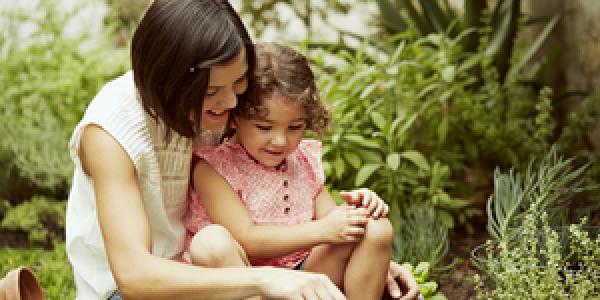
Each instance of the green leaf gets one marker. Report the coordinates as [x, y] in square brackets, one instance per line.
[446, 218]
[448, 73]
[442, 130]
[326, 149]
[454, 203]
[434, 13]
[357, 139]
[367, 91]
[327, 169]
[352, 158]
[422, 270]
[339, 167]
[370, 156]
[393, 161]
[535, 47]
[504, 31]
[365, 172]
[391, 16]
[473, 11]
[417, 158]
[407, 124]
[421, 24]
[378, 119]
[428, 288]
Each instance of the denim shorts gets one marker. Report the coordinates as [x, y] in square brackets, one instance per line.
[115, 296]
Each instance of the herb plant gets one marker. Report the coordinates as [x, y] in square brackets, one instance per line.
[531, 258]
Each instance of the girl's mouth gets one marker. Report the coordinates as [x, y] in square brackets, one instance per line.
[275, 153]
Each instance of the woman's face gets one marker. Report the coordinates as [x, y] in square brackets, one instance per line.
[226, 82]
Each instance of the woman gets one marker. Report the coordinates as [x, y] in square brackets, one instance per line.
[132, 154]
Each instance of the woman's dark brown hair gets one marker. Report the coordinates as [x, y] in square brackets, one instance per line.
[285, 71]
[173, 48]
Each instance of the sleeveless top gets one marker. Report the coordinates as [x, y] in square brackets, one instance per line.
[271, 195]
[162, 173]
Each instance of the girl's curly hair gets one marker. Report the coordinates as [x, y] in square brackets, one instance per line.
[282, 70]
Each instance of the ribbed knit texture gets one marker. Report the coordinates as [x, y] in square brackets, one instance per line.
[162, 172]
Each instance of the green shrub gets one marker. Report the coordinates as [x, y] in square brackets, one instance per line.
[47, 82]
[412, 125]
[530, 259]
[51, 268]
[47, 79]
[42, 218]
[552, 184]
[536, 265]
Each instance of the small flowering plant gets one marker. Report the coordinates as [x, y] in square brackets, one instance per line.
[542, 264]
[531, 259]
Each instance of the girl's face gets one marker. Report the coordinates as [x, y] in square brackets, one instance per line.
[271, 139]
[226, 82]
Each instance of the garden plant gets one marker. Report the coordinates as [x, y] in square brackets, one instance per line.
[532, 256]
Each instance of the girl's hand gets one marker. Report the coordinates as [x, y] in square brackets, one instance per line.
[367, 199]
[344, 224]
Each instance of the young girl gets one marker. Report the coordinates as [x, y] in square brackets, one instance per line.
[265, 184]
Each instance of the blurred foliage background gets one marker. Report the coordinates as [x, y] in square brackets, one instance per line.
[427, 100]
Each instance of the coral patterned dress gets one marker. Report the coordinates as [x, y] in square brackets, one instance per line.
[282, 195]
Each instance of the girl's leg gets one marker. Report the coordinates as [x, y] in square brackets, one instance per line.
[331, 260]
[360, 268]
[213, 246]
[366, 272]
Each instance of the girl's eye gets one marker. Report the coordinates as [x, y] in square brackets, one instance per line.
[296, 127]
[263, 127]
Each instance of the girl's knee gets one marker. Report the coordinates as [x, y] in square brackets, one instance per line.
[213, 246]
[379, 232]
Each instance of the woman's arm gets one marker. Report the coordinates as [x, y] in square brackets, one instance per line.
[127, 239]
[226, 208]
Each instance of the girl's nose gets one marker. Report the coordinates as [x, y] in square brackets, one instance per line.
[279, 140]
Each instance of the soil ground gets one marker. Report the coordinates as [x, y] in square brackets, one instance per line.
[458, 283]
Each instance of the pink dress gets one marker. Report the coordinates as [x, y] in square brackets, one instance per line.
[272, 196]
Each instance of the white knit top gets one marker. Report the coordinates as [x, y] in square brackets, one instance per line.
[162, 172]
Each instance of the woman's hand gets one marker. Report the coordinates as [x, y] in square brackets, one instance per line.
[278, 283]
[367, 199]
[401, 279]
[344, 224]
